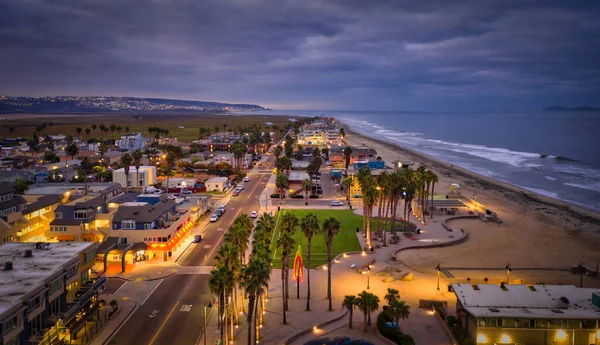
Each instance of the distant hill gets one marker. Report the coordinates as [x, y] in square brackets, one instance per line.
[561, 108]
[95, 104]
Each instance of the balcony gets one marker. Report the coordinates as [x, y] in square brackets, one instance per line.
[82, 296]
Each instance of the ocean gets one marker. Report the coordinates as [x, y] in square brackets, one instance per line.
[556, 154]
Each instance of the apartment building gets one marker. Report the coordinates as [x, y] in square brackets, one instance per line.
[141, 181]
[77, 220]
[37, 216]
[49, 293]
[130, 142]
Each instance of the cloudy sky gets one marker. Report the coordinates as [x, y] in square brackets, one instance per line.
[308, 54]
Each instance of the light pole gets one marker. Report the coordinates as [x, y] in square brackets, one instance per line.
[508, 269]
[266, 200]
[581, 268]
[209, 305]
[438, 269]
[368, 277]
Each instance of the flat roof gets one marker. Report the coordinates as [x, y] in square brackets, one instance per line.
[29, 274]
[298, 176]
[527, 301]
[93, 187]
[217, 179]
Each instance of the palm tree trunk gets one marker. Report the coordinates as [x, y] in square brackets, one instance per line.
[137, 177]
[432, 191]
[308, 275]
[222, 315]
[369, 322]
[287, 281]
[249, 316]
[350, 322]
[365, 322]
[329, 240]
[283, 294]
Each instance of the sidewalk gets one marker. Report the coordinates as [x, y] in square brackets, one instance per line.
[126, 308]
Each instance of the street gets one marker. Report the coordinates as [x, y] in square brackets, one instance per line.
[173, 311]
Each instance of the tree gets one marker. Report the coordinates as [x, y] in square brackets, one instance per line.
[277, 152]
[285, 242]
[94, 127]
[283, 164]
[255, 280]
[331, 227]
[20, 185]
[126, 129]
[289, 223]
[434, 180]
[281, 182]
[392, 295]
[299, 155]
[316, 152]
[347, 155]
[171, 158]
[113, 128]
[102, 150]
[79, 130]
[72, 150]
[306, 185]
[137, 156]
[239, 150]
[342, 133]
[367, 303]
[126, 161]
[88, 131]
[119, 129]
[219, 282]
[398, 310]
[51, 157]
[348, 182]
[310, 226]
[349, 303]
[325, 151]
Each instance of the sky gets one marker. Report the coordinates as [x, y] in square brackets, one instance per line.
[308, 54]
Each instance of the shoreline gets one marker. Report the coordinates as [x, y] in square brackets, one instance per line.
[567, 214]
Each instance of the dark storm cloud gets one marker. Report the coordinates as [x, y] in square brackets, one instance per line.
[307, 54]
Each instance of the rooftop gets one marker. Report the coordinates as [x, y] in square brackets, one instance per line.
[55, 188]
[216, 179]
[132, 168]
[29, 274]
[527, 301]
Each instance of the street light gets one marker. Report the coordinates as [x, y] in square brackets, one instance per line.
[508, 269]
[438, 269]
[209, 305]
[368, 277]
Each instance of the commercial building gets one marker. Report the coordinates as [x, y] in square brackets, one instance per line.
[359, 154]
[216, 184]
[529, 314]
[77, 220]
[141, 181]
[106, 189]
[222, 141]
[311, 136]
[131, 142]
[49, 293]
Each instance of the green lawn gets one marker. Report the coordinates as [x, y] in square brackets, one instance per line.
[345, 241]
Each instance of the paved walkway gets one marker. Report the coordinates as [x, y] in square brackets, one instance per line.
[126, 308]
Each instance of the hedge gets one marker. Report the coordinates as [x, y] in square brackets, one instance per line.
[276, 196]
[392, 334]
[299, 196]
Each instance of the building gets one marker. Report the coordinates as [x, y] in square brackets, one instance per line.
[216, 184]
[315, 136]
[130, 142]
[221, 141]
[37, 216]
[12, 175]
[529, 314]
[144, 229]
[77, 220]
[49, 292]
[147, 177]
[11, 211]
[229, 158]
[106, 189]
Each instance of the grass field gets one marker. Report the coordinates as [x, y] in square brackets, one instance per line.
[24, 124]
[345, 241]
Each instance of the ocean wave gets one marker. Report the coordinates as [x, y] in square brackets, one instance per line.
[550, 178]
[580, 172]
[592, 186]
[558, 158]
[514, 158]
[542, 192]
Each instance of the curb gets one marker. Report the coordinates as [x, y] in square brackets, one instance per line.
[112, 334]
[145, 280]
[308, 330]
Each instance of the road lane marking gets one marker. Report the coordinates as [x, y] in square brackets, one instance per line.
[163, 324]
[253, 189]
[220, 229]
[207, 246]
[219, 241]
[151, 292]
[120, 287]
[185, 308]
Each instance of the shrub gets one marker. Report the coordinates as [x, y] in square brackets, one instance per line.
[451, 319]
[392, 334]
[313, 196]
[299, 196]
[274, 196]
[461, 335]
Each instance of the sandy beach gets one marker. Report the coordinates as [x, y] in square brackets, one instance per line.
[536, 231]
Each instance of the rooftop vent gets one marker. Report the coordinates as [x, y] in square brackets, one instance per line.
[8, 266]
[28, 253]
[531, 287]
[39, 245]
[556, 311]
[564, 300]
[494, 310]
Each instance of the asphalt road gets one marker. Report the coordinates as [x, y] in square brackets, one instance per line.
[178, 302]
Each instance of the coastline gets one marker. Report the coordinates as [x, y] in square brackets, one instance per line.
[499, 196]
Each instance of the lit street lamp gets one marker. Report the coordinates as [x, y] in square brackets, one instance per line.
[508, 269]
[438, 269]
[209, 305]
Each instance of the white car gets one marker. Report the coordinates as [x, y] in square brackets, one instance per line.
[186, 191]
[214, 217]
[253, 214]
[336, 203]
[240, 187]
[246, 179]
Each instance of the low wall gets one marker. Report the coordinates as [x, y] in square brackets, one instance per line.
[308, 330]
[445, 222]
[445, 328]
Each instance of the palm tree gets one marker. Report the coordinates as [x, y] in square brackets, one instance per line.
[137, 162]
[325, 151]
[348, 182]
[398, 310]
[72, 150]
[434, 179]
[281, 182]
[113, 128]
[347, 155]
[126, 129]
[349, 302]
[220, 281]
[289, 223]
[102, 149]
[367, 303]
[238, 149]
[126, 161]
[79, 130]
[310, 226]
[94, 127]
[370, 194]
[277, 152]
[20, 185]
[392, 295]
[299, 155]
[286, 243]
[306, 185]
[88, 131]
[331, 227]
[255, 279]
[171, 158]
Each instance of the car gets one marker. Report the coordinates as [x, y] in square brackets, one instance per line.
[253, 214]
[214, 217]
[218, 212]
[197, 238]
[246, 179]
[336, 203]
[172, 197]
[186, 191]
[160, 191]
[240, 187]
[236, 192]
[221, 208]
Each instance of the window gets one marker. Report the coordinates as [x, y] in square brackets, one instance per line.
[128, 224]
[55, 285]
[48, 208]
[147, 226]
[58, 215]
[35, 302]
[81, 214]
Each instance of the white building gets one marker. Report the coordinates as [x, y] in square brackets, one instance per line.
[229, 158]
[131, 142]
[318, 136]
[216, 184]
[147, 177]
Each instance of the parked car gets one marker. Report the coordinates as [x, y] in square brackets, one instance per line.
[336, 203]
[214, 217]
[246, 179]
[172, 197]
[221, 208]
[240, 187]
[236, 192]
[197, 238]
[253, 214]
[186, 191]
[159, 191]
[219, 212]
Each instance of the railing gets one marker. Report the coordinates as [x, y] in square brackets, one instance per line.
[81, 300]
